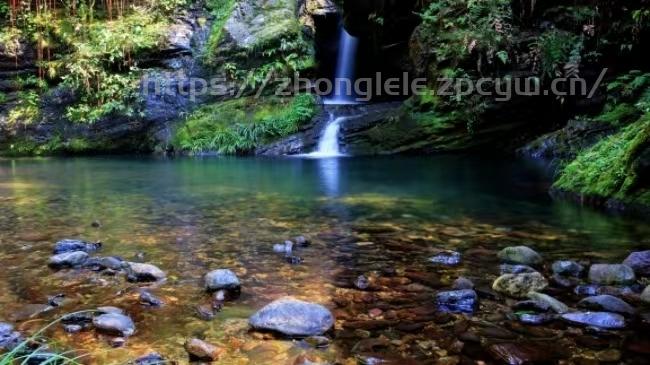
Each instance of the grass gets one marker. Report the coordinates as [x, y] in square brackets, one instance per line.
[239, 126]
[21, 355]
[221, 10]
[606, 170]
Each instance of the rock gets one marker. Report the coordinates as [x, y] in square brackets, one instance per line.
[639, 262]
[607, 303]
[462, 283]
[221, 279]
[68, 245]
[565, 281]
[523, 353]
[115, 324]
[293, 317]
[301, 241]
[149, 299]
[72, 328]
[293, 260]
[68, 259]
[536, 319]
[56, 300]
[117, 342]
[645, 296]
[450, 258]
[616, 274]
[457, 301]
[532, 305]
[107, 309]
[519, 285]
[153, 358]
[604, 320]
[137, 272]
[520, 255]
[9, 338]
[201, 350]
[286, 247]
[554, 304]
[205, 312]
[567, 268]
[362, 282]
[515, 269]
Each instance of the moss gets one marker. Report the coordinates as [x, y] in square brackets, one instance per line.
[221, 10]
[619, 114]
[606, 170]
[238, 126]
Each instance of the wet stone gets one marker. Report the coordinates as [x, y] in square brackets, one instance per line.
[293, 317]
[153, 358]
[462, 283]
[285, 248]
[564, 281]
[457, 301]
[523, 353]
[362, 282]
[146, 298]
[519, 285]
[607, 303]
[521, 255]
[70, 245]
[317, 341]
[301, 241]
[201, 350]
[615, 274]
[138, 272]
[68, 259]
[567, 268]
[107, 309]
[603, 320]
[116, 324]
[639, 262]
[449, 258]
[72, 328]
[536, 319]
[9, 338]
[645, 296]
[554, 304]
[293, 260]
[531, 305]
[221, 279]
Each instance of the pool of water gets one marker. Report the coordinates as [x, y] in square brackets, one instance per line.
[364, 216]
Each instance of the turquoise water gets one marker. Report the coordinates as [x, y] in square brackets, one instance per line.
[188, 216]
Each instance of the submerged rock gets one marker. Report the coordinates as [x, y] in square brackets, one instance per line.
[462, 283]
[9, 338]
[293, 317]
[221, 279]
[69, 245]
[614, 274]
[522, 255]
[362, 282]
[607, 303]
[103, 263]
[639, 262]
[515, 269]
[567, 268]
[149, 299]
[554, 304]
[201, 350]
[301, 241]
[519, 285]
[143, 272]
[450, 258]
[604, 320]
[68, 259]
[286, 247]
[523, 353]
[115, 324]
[535, 319]
[153, 358]
[457, 301]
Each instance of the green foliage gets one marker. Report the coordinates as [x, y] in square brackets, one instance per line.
[628, 97]
[238, 126]
[457, 28]
[3, 97]
[555, 48]
[605, 170]
[26, 111]
[220, 10]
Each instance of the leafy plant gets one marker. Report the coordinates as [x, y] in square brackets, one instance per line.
[555, 48]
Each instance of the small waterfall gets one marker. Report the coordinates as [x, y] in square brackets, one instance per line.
[328, 144]
[345, 70]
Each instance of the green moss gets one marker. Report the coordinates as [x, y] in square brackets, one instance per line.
[606, 169]
[238, 126]
[221, 10]
[619, 114]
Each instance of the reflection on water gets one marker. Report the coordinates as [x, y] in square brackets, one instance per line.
[189, 216]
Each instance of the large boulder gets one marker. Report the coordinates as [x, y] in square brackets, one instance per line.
[115, 324]
[457, 301]
[604, 320]
[293, 317]
[68, 259]
[519, 285]
[70, 245]
[616, 274]
[639, 262]
[607, 303]
[221, 279]
[522, 255]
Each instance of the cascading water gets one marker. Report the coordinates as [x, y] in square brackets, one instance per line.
[328, 145]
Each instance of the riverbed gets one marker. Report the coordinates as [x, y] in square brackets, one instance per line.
[380, 218]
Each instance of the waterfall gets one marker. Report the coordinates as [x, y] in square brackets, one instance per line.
[328, 144]
[345, 70]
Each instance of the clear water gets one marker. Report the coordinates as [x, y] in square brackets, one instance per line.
[189, 216]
